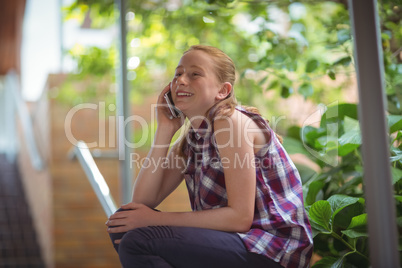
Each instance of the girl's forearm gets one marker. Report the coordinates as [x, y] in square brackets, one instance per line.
[223, 219]
[150, 178]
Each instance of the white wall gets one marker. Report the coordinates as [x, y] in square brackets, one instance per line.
[41, 51]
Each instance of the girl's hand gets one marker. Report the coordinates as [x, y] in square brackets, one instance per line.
[163, 114]
[135, 216]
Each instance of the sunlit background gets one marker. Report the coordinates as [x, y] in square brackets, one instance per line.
[294, 63]
[46, 38]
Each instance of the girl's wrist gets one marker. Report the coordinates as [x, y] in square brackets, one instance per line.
[163, 135]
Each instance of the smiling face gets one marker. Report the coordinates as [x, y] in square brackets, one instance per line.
[195, 86]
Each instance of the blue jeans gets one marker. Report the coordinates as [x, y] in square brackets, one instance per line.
[185, 247]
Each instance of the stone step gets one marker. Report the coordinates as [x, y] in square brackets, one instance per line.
[18, 242]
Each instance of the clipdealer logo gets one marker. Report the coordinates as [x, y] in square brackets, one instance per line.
[328, 154]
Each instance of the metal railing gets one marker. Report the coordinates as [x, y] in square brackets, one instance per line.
[98, 183]
[81, 150]
[12, 104]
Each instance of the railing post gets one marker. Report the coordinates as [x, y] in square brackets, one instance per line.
[383, 236]
[8, 128]
[26, 122]
[123, 110]
[12, 104]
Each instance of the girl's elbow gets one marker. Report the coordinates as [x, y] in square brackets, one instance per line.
[243, 224]
[246, 226]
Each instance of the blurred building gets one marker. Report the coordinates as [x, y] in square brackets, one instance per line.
[50, 215]
[21, 239]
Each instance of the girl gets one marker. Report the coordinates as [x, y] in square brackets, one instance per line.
[245, 192]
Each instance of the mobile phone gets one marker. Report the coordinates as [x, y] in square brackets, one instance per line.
[169, 100]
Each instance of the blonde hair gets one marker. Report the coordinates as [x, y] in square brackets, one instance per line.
[225, 72]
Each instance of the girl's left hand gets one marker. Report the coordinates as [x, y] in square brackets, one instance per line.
[135, 216]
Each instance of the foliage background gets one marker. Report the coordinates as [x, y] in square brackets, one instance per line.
[283, 50]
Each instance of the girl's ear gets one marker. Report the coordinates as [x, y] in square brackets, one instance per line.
[224, 91]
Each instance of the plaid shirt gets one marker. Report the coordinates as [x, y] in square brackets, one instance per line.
[280, 228]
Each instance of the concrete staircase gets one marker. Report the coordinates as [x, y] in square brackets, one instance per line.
[18, 242]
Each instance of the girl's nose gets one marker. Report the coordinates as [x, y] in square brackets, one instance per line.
[182, 79]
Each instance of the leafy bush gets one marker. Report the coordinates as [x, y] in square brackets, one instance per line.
[334, 196]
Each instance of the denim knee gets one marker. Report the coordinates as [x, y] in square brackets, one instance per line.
[137, 249]
[134, 242]
[144, 240]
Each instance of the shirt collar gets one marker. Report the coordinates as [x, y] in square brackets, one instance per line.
[203, 131]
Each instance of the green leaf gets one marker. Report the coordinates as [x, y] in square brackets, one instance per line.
[286, 91]
[339, 201]
[351, 136]
[327, 262]
[294, 146]
[345, 61]
[399, 224]
[343, 35]
[347, 148]
[312, 65]
[343, 217]
[280, 58]
[306, 90]
[294, 132]
[310, 135]
[394, 123]
[331, 74]
[262, 81]
[397, 152]
[351, 139]
[315, 227]
[321, 142]
[354, 233]
[274, 84]
[399, 135]
[352, 182]
[357, 227]
[336, 114]
[396, 174]
[385, 36]
[338, 263]
[313, 190]
[243, 74]
[306, 173]
[351, 124]
[398, 197]
[320, 212]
